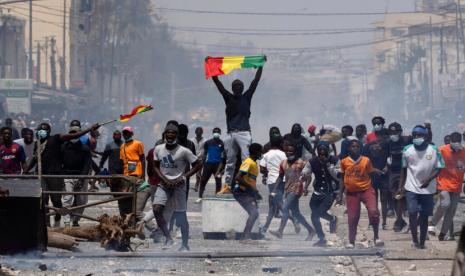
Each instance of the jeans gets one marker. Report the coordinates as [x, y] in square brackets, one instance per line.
[235, 142]
[420, 207]
[249, 204]
[320, 204]
[446, 207]
[74, 185]
[353, 200]
[291, 203]
[53, 184]
[209, 169]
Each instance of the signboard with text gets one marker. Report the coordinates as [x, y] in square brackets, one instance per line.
[17, 94]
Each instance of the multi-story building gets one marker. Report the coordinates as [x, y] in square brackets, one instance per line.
[12, 52]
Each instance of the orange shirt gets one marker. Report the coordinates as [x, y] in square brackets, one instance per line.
[356, 173]
[450, 178]
[130, 153]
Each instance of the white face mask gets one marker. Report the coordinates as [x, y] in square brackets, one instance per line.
[74, 141]
[394, 138]
[377, 127]
[456, 146]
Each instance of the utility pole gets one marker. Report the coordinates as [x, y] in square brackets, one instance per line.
[4, 30]
[30, 40]
[38, 65]
[46, 60]
[431, 62]
[63, 78]
[53, 71]
[457, 37]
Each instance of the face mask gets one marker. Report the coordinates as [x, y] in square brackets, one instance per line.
[456, 146]
[171, 143]
[394, 138]
[418, 141]
[377, 127]
[74, 141]
[216, 135]
[42, 134]
[129, 139]
[291, 158]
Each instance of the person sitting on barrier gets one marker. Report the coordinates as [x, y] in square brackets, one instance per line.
[51, 161]
[12, 156]
[171, 160]
[76, 161]
[245, 190]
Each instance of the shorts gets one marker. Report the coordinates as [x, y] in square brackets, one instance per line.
[394, 179]
[176, 196]
[381, 183]
[422, 203]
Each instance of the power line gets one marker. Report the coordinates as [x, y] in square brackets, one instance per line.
[282, 13]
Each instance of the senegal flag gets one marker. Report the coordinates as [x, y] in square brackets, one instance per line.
[215, 66]
[137, 110]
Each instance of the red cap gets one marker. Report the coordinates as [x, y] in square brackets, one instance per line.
[311, 128]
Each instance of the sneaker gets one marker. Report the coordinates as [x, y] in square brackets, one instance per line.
[350, 245]
[297, 228]
[333, 225]
[432, 230]
[378, 242]
[310, 236]
[198, 201]
[225, 190]
[277, 234]
[450, 238]
[184, 248]
[441, 236]
[320, 243]
[168, 244]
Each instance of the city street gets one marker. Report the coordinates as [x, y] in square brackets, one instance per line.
[398, 259]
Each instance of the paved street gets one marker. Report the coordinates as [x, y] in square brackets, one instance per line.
[398, 259]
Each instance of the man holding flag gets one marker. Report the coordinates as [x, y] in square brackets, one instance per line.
[237, 105]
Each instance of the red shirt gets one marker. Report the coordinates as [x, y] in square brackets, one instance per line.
[371, 137]
[450, 178]
[153, 177]
[11, 157]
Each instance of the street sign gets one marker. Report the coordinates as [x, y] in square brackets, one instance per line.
[17, 93]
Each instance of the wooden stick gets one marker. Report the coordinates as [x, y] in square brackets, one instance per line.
[107, 122]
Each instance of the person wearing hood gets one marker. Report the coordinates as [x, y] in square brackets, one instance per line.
[77, 160]
[421, 164]
[449, 184]
[239, 136]
[298, 141]
[274, 132]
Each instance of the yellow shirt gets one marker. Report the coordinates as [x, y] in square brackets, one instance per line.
[250, 168]
[131, 152]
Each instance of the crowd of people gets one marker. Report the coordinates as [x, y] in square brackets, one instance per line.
[393, 173]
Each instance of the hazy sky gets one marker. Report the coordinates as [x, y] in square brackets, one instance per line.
[279, 22]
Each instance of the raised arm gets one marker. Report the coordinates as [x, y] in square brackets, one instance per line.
[225, 93]
[256, 80]
[71, 136]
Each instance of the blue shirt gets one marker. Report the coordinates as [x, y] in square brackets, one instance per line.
[214, 149]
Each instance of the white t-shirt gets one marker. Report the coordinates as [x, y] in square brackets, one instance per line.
[420, 165]
[28, 149]
[173, 163]
[271, 161]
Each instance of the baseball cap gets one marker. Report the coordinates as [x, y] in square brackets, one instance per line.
[129, 129]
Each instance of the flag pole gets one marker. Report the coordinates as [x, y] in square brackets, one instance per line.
[107, 122]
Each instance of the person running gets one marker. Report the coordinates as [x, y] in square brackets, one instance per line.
[421, 163]
[171, 161]
[356, 172]
[291, 173]
[77, 160]
[269, 167]
[378, 152]
[27, 142]
[378, 129]
[397, 142]
[237, 121]
[324, 167]
[199, 142]
[115, 166]
[132, 155]
[245, 190]
[49, 148]
[12, 156]
[298, 141]
[450, 181]
[214, 158]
